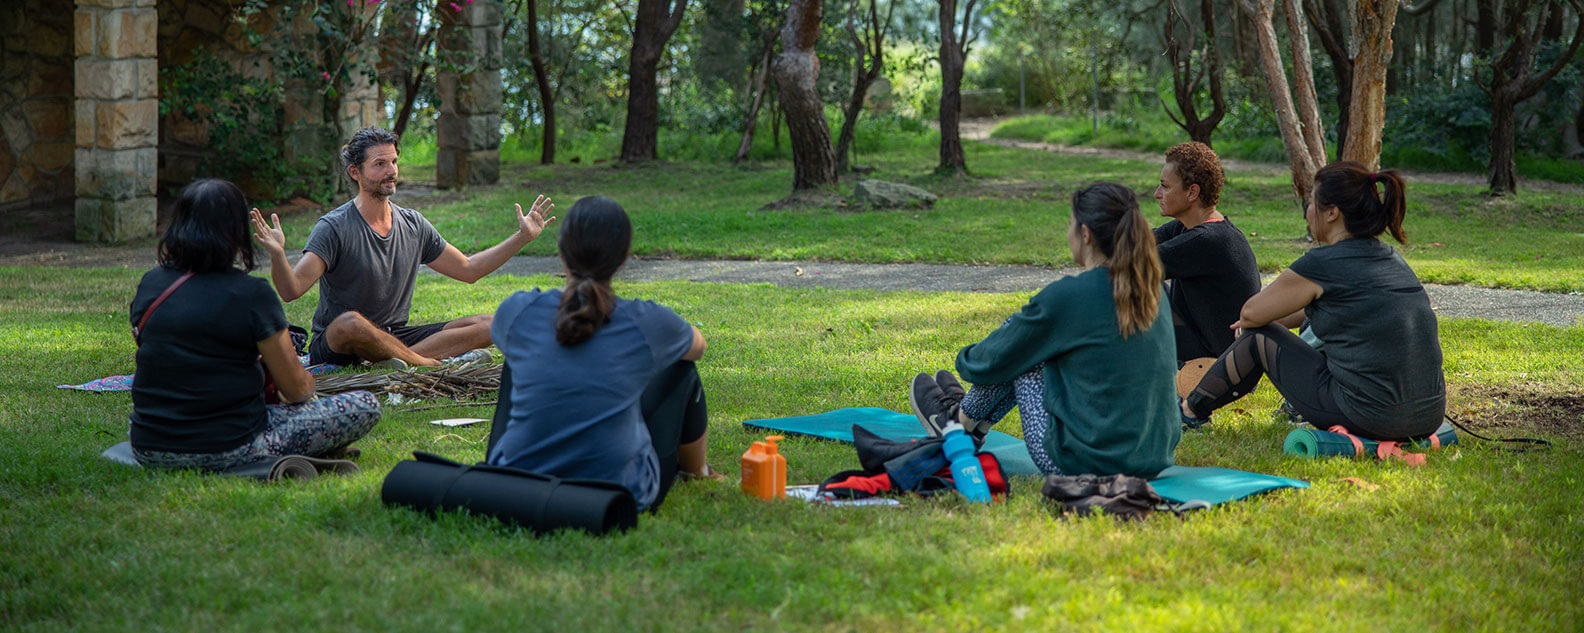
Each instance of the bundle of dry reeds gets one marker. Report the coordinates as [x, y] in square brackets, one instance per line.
[470, 381]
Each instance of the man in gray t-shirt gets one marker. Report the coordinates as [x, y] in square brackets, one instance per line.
[365, 256]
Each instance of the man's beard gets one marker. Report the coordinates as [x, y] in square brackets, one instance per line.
[379, 189]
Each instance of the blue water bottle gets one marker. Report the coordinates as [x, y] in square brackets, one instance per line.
[966, 472]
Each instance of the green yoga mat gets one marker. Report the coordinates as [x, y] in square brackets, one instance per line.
[1182, 484]
[1312, 443]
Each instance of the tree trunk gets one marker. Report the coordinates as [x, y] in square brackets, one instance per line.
[542, 78]
[1303, 84]
[1372, 29]
[1185, 84]
[1325, 16]
[652, 27]
[1503, 167]
[952, 159]
[796, 73]
[864, 75]
[1513, 80]
[1299, 157]
[1484, 27]
[752, 119]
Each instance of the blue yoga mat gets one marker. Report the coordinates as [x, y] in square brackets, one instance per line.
[837, 425]
[1182, 484]
[1216, 485]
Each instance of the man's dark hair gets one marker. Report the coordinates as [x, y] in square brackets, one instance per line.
[208, 230]
[353, 153]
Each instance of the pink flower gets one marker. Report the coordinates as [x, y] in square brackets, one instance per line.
[349, 2]
[326, 75]
[455, 7]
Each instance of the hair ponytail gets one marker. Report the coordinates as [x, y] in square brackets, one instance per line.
[1350, 188]
[1110, 212]
[586, 305]
[594, 241]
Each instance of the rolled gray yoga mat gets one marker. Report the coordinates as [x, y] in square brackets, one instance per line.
[267, 469]
[538, 502]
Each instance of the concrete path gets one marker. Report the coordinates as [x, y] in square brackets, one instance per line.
[1449, 301]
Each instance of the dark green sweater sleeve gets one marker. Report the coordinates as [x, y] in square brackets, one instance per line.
[1029, 338]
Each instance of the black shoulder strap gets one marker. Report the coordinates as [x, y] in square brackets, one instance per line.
[137, 330]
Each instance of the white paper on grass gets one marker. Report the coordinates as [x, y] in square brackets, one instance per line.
[457, 421]
[811, 494]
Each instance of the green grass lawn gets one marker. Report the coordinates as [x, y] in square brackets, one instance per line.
[1475, 540]
[1013, 211]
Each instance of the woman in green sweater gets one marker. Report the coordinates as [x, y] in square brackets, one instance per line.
[1089, 362]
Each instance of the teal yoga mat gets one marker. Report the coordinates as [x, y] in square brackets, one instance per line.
[1312, 443]
[1211, 485]
[837, 425]
[1182, 484]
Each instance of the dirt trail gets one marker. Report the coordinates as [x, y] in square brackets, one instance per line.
[979, 130]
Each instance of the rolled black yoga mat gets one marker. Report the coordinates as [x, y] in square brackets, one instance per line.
[538, 502]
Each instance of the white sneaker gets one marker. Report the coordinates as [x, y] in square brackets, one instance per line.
[472, 356]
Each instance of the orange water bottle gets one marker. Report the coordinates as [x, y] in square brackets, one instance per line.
[764, 469]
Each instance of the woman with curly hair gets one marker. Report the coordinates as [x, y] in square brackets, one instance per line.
[1210, 269]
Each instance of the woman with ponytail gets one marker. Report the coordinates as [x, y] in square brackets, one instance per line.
[596, 386]
[1088, 362]
[1379, 372]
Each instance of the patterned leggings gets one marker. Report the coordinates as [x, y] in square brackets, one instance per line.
[312, 428]
[1027, 393]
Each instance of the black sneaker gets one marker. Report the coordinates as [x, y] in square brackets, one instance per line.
[977, 429]
[1189, 422]
[930, 403]
[949, 385]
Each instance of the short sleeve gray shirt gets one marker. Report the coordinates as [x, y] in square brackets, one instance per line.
[366, 272]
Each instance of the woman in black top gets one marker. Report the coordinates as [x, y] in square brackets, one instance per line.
[1379, 375]
[197, 398]
[1210, 269]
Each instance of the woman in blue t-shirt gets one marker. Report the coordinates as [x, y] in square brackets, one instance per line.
[1379, 372]
[198, 398]
[1088, 361]
[600, 387]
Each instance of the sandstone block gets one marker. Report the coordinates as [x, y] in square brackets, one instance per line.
[480, 13]
[53, 78]
[83, 37]
[115, 221]
[126, 124]
[147, 79]
[106, 78]
[128, 33]
[107, 4]
[116, 174]
[86, 127]
[483, 167]
[87, 224]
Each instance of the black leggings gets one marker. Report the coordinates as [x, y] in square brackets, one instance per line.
[672, 406]
[1298, 371]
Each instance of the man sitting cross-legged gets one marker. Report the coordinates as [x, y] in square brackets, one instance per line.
[366, 253]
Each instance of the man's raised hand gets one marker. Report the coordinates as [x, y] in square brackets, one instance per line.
[537, 219]
[272, 239]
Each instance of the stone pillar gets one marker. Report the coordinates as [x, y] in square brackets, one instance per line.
[117, 122]
[468, 130]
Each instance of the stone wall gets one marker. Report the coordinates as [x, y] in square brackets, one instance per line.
[468, 130]
[36, 103]
[117, 119]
